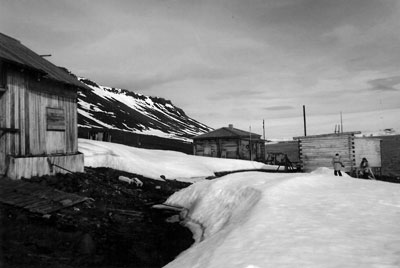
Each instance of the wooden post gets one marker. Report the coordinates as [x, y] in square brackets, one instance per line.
[304, 118]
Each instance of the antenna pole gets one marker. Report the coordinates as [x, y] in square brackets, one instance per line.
[341, 121]
[304, 118]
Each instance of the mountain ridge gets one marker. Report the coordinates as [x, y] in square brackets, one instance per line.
[121, 109]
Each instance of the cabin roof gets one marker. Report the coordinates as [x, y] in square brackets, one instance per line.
[11, 50]
[227, 132]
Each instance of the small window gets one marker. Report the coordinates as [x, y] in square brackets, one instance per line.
[55, 118]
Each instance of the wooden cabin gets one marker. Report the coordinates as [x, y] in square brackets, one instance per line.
[229, 142]
[38, 114]
[318, 150]
[382, 152]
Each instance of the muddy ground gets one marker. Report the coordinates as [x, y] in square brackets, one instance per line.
[118, 228]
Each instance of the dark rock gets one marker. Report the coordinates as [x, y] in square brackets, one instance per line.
[87, 246]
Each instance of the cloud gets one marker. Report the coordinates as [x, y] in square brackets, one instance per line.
[385, 84]
[279, 108]
[193, 71]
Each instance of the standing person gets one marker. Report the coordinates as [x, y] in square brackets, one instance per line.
[337, 164]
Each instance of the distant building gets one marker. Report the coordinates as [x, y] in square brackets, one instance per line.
[318, 150]
[99, 134]
[38, 114]
[229, 142]
[382, 152]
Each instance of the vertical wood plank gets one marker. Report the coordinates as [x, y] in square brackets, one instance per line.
[3, 104]
[26, 127]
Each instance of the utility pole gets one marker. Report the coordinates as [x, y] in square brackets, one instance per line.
[341, 122]
[250, 141]
[304, 118]
[264, 130]
[263, 151]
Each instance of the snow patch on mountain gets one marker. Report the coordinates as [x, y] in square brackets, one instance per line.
[120, 109]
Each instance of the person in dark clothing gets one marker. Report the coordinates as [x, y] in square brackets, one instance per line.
[365, 170]
[337, 165]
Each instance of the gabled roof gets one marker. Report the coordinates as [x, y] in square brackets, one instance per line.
[227, 132]
[11, 50]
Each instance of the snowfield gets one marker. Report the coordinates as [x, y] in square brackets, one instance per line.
[154, 163]
[258, 219]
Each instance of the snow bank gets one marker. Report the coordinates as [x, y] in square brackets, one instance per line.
[153, 163]
[257, 219]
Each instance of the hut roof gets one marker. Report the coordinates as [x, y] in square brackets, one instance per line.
[11, 50]
[227, 132]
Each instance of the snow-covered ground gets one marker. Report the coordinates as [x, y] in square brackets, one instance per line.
[154, 163]
[258, 219]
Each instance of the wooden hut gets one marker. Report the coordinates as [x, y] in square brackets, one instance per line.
[318, 150]
[38, 114]
[230, 142]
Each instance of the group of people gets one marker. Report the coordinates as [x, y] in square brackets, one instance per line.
[364, 169]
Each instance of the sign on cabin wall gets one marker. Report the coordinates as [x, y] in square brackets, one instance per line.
[55, 119]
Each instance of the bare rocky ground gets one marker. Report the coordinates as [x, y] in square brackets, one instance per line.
[118, 228]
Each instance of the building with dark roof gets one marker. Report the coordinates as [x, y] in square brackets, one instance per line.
[38, 114]
[230, 142]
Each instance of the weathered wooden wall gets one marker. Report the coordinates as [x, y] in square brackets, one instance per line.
[229, 149]
[25, 110]
[24, 107]
[390, 148]
[206, 148]
[318, 151]
[2, 140]
[370, 148]
[28, 167]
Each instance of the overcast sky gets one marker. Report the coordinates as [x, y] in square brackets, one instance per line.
[231, 61]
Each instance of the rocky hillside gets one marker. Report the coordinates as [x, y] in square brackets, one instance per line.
[120, 109]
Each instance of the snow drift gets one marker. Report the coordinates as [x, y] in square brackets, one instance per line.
[154, 163]
[258, 219]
